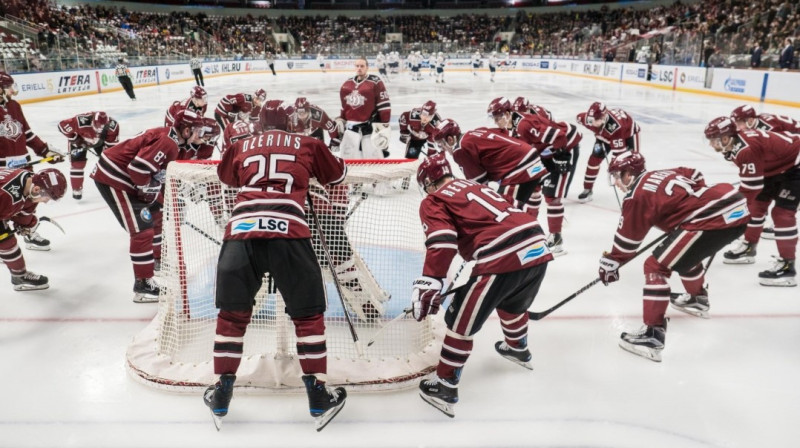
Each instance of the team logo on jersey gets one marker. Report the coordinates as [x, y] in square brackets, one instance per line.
[531, 253]
[260, 225]
[355, 99]
[10, 128]
[735, 214]
[14, 189]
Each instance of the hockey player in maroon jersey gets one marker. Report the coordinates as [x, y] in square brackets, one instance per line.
[417, 127]
[521, 105]
[510, 254]
[268, 233]
[558, 145]
[492, 155]
[746, 118]
[197, 103]
[309, 119]
[15, 138]
[366, 111]
[769, 169]
[615, 132]
[20, 192]
[700, 220]
[130, 178]
[230, 106]
[90, 131]
[274, 114]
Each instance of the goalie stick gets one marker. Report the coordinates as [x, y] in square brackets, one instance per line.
[335, 276]
[534, 315]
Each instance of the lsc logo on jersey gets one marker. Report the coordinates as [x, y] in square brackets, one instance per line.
[260, 225]
[535, 169]
[531, 253]
[735, 214]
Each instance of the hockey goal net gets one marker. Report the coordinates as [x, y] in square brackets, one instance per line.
[376, 244]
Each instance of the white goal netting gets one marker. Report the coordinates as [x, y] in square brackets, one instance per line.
[371, 225]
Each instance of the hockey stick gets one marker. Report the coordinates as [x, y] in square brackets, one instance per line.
[204, 233]
[335, 276]
[534, 315]
[407, 311]
[53, 222]
[18, 165]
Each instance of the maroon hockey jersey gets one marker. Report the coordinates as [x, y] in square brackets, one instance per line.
[13, 205]
[365, 101]
[760, 154]
[135, 161]
[617, 130]
[316, 122]
[169, 118]
[778, 123]
[480, 225]
[16, 135]
[542, 133]
[491, 155]
[672, 199]
[411, 126]
[80, 133]
[272, 171]
[230, 106]
[274, 115]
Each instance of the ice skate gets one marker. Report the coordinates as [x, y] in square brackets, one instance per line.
[145, 291]
[648, 342]
[34, 241]
[695, 305]
[742, 253]
[218, 397]
[782, 273]
[324, 403]
[29, 281]
[585, 196]
[439, 393]
[556, 244]
[521, 356]
[77, 194]
[768, 233]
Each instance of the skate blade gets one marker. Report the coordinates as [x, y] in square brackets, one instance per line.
[144, 298]
[788, 281]
[693, 312]
[446, 408]
[30, 287]
[217, 420]
[39, 248]
[322, 421]
[767, 236]
[745, 260]
[647, 353]
[526, 364]
[558, 253]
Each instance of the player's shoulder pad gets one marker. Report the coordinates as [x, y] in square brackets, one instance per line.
[316, 114]
[84, 120]
[112, 124]
[375, 78]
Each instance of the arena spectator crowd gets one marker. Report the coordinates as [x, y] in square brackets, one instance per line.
[710, 33]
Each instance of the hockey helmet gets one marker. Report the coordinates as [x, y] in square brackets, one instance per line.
[428, 111]
[744, 112]
[99, 121]
[447, 128]
[629, 161]
[432, 169]
[199, 93]
[7, 83]
[52, 182]
[301, 105]
[210, 130]
[521, 105]
[238, 130]
[261, 95]
[187, 119]
[499, 106]
[720, 127]
[595, 116]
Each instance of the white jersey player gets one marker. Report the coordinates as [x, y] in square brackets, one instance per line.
[380, 63]
[440, 62]
[476, 63]
[492, 65]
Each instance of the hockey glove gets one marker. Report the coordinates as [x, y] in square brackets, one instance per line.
[404, 138]
[426, 297]
[78, 154]
[340, 125]
[609, 270]
[599, 149]
[148, 193]
[57, 156]
[380, 136]
[561, 160]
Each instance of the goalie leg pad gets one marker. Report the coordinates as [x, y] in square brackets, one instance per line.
[360, 289]
[351, 145]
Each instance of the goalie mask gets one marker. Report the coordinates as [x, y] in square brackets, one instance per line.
[433, 169]
[625, 168]
[51, 182]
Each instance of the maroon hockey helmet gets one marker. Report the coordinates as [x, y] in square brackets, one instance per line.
[99, 121]
[499, 106]
[301, 103]
[429, 108]
[432, 169]
[261, 95]
[629, 161]
[199, 93]
[7, 82]
[187, 119]
[447, 128]
[238, 130]
[595, 113]
[521, 105]
[210, 130]
[743, 113]
[52, 182]
[720, 127]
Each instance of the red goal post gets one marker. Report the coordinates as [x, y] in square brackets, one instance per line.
[371, 224]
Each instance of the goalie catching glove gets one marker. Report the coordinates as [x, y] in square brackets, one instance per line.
[380, 136]
[426, 297]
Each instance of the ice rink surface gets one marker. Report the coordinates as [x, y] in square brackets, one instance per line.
[730, 381]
